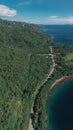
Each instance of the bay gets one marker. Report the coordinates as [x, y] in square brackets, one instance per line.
[60, 107]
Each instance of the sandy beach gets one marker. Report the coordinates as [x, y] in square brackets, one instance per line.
[58, 81]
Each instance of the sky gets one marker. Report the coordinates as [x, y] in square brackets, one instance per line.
[38, 11]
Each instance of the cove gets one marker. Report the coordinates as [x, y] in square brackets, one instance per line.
[60, 107]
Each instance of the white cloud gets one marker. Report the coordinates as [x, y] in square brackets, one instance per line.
[24, 3]
[53, 17]
[27, 3]
[70, 19]
[53, 20]
[30, 2]
[6, 11]
[60, 20]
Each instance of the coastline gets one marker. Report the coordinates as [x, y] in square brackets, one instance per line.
[57, 35]
[58, 81]
[54, 86]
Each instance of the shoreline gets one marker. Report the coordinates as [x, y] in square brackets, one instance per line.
[54, 86]
[58, 81]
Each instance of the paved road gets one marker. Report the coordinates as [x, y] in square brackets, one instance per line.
[30, 126]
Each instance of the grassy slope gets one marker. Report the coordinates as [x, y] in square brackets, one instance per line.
[69, 58]
[22, 71]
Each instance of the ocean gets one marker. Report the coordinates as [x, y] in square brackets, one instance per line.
[60, 107]
[60, 33]
[60, 104]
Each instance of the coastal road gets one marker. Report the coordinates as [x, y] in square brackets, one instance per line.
[30, 126]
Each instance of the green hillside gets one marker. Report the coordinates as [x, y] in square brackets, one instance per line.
[24, 65]
[24, 35]
[22, 70]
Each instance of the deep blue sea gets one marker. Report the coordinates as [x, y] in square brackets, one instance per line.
[60, 33]
[60, 107]
[60, 104]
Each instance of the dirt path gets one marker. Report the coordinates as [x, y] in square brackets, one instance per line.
[30, 126]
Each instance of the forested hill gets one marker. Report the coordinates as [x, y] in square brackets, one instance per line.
[22, 35]
[24, 65]
[22, 70]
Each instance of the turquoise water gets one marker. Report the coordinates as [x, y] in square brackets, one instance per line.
[60, 107]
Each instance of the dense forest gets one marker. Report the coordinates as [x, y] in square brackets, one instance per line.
[22, 70]
[24, 65]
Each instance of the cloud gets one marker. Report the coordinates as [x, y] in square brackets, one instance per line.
[53, 17]
[24, 3]
[30, 2]
[60, 20]
[70, 19]
[6, 11]
[53, 20]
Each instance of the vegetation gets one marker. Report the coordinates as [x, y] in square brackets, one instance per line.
[24, 65]
[69, 58]
[40, 120]
[24, 35]
[22, 69]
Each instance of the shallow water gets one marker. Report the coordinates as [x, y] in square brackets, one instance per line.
[60, 107]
